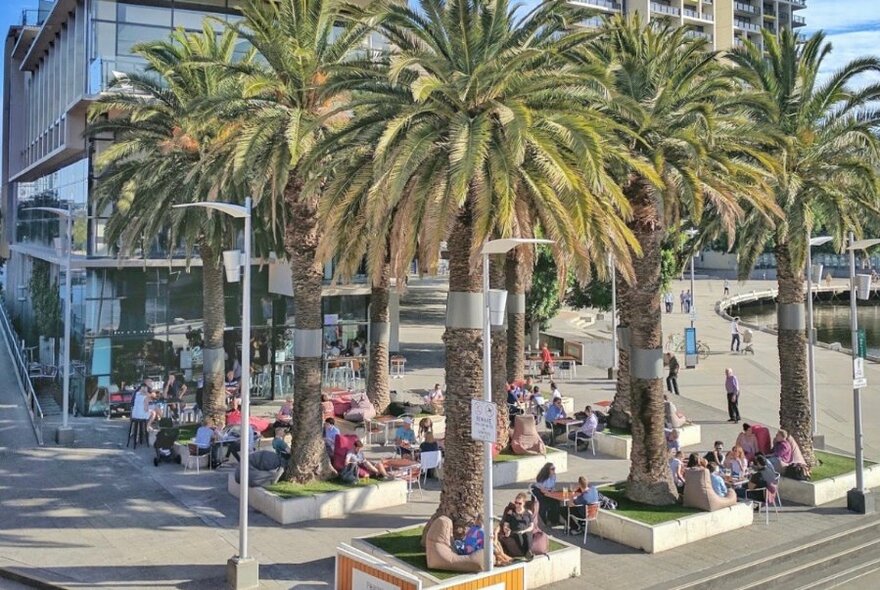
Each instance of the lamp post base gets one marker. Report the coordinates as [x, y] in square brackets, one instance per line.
[819, 441]
[64, 436]
[612, 373]
[860, 502]
[242, 574]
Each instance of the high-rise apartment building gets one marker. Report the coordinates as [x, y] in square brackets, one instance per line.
[132, 317]
[726, 23]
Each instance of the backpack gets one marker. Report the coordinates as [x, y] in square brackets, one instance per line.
[798, 472]
[349, 475]
[601, 420]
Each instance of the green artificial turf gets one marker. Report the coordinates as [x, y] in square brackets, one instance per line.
[833, 465]
[287, 489]
[187, 433]
[406, 546]
[644, 513]
[617, 431]
[508, 455]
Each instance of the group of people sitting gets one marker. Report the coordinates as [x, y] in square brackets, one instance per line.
[524, 397]
[210, 439]
[150, 402]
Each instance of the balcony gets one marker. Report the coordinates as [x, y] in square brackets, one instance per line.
[797, 21]
[691, 13]
[103, 71]
[33, 18]
[696, 34]
[606, 4]
[798, 4]
[665, 9]
[745, 8]
[746, 26]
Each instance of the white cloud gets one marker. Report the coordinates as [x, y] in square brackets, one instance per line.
[838, 16]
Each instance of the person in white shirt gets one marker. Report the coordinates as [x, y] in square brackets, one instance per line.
[726, 287]
[356, 457]
[734, 335]
[435, 395]
[591, 422]
[676, 467]
[555, 391]
[331, 431]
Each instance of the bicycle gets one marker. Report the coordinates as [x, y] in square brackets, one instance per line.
[703, 350]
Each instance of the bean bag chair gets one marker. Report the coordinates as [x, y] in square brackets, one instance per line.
[344, 444]
[264, 469]
[328, 410]
[439, 552]
[674, 418]
[797, 457]
[762, 433]
[525, 439]
[698, 492]
[361, 409]
[341, 403]
[540, 540]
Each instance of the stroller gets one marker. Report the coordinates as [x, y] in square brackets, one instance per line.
[164, 445]
[748, 345]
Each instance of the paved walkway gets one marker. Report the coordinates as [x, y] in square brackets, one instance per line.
[15, 427]
[100, 515]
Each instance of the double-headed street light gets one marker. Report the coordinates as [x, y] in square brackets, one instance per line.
[64, 435]
[242, 571]
[492, 315]
[811, 363]
[857, 499]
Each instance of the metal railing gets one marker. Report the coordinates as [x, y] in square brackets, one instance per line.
[743, 7]
[609, 4]
[664, 9]
[15, 346]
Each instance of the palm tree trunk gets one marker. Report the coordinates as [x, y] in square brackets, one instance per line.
[499, 358]
[794, 398]
[378, 379]
[620, 414]
[649, 479]
[461, 496]
[214, 392]
[308, 460]
[516, 315]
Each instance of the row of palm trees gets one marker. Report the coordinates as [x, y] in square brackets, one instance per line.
[485, 122]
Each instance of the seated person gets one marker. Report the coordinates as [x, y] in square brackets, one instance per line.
[736, 462]
[546, 482]
[509, 543]
[206, 441]
[748, 442]
[284, 417]
[234, 447]
[672, 442]
[672, 417]
[538, 404]
[584, 495]
[554, 391]
[694, 460]
[356, 457]
[327, 410]
[522, 528]
[468, 540]
[501, 556]
[279, 445]
[553, 413]
[591, 422]
[514, 400]
[334, 349]
[782, 453]
[757, 484]
[425, 426]
[331, 431]
[175, 389]
[233, 390]
[429, 444]
[435, 396]
[718, 485]
[405, 438]
[676, 467]
[716, 455]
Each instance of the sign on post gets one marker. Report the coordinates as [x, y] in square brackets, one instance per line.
[858, 368]
[860, 383]
[863, 344]
[484, 421]
[690, 348]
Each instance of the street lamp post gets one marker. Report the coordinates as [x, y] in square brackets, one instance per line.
[242, 571]
[489, 248]
[64, 435]
[811, 363]
[692, 233]
[615, 361]
[857, 499]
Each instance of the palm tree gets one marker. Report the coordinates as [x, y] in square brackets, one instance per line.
[672, 97]
[290, 94]
[163, 154]
[477, 114]
[827, 154]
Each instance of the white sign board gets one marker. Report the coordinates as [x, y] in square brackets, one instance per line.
[694, 315]
[858, 368]
[484, 421]
[860, 383]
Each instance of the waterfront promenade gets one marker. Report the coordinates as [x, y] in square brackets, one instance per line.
[101, 516]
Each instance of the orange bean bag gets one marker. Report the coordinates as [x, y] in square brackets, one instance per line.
[439, 552]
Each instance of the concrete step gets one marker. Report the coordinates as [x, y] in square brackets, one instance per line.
[48, 404]
[815, 563]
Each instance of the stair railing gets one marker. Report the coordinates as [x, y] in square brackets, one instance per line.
[15, 346]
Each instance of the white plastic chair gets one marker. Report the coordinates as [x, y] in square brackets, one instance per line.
[192, 456]
[770, 494]
[580, 436]
[566, 370]
[430, 460]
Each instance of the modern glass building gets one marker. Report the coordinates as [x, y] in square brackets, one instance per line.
[133, 317]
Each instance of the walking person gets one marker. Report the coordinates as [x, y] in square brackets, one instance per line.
[682, 299]
[688, 301]
[731, 386]
[734, 335]
[726, 287]
[672, 377]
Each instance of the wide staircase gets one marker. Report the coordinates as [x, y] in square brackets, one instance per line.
[21, 411]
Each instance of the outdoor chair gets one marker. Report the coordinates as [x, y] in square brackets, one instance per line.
[192, 457]
[430, 460]
[566, 370]
[579, 437]
[770, 493]
[592, 515]
[412, 475]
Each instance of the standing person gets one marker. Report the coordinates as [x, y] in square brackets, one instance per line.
[546, 362]
[734, 335]
[682, 299]
[731, 386]
[672, 377]
[689, 300]
[726, 287]
[668, 301]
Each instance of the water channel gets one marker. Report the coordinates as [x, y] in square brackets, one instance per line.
[830, 319]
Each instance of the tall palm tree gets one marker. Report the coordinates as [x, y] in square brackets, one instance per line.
[163, 154]
[824, 142]
[478, 112]
[672, 97]
[290, 93]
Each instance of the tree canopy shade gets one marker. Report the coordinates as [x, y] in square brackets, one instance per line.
[475, 116]
[684, 132]
[822, 137]
[165, 152]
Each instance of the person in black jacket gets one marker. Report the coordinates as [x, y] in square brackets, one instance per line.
[716, 455]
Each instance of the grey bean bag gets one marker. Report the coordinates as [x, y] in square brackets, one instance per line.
[265, 469]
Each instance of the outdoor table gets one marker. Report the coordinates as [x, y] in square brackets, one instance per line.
[386, 422]
[565, 499]
[570, 424]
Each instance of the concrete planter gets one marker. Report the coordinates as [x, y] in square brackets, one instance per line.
[816, 493]
[667, 535]
[620, 447]
[527, 468]
[182, 450]
[329, 505]
[556, 566]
